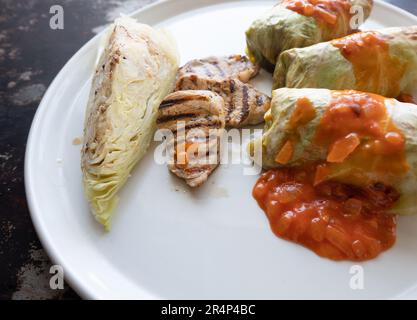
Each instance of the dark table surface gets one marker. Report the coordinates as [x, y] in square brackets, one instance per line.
[31, 54]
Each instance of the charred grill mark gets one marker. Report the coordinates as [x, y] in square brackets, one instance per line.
[212, 123]
[221, 71]
[232, 86]
[207, 71]
[169, 103]
[231, 105]
[196, 170]
[115, 60]
[245, 103]
[260, 101]
[168, 118]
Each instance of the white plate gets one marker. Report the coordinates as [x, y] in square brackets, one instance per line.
[212, 243]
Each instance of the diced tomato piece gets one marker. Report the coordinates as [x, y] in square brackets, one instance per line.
[322, 173]
[285, 154]
[342, 148]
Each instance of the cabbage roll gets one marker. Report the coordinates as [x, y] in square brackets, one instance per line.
[351, 137]
[301, 23]
[382, 62]
[136, 71]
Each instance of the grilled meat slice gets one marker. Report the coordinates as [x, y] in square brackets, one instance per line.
[244, 104]
[220, 68]
[227, 76]
[196, 119]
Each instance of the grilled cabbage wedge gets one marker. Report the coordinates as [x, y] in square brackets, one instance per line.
[135, 72]
[399, 169]
[382, 62]
[282, 28]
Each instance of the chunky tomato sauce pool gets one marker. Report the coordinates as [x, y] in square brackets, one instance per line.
[336, 221]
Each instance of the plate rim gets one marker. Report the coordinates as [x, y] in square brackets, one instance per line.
[82, 289]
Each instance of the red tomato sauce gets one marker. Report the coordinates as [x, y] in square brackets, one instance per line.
[338, 207]
[326, 11]
[369, 54]
[361, 140]
[336, 221]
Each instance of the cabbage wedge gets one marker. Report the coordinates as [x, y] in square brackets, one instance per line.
[285, 26]
[135, 72]
[365, 164]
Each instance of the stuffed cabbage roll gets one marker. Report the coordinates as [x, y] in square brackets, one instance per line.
[382, 62]
[135, 72]
[358, 139]
[301, 23]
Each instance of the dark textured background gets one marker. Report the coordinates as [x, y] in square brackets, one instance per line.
[31, 54]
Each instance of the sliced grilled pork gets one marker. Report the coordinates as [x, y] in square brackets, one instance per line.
[220, 68]
[196, 119]
[244, 104]
[227, 76]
